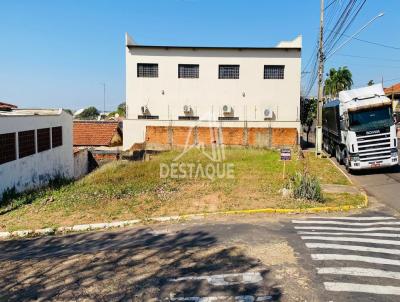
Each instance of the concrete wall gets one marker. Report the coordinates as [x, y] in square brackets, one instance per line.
[81, 163]
[249, 95]
[37, 169]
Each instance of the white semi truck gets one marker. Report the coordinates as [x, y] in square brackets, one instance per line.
[359, 129]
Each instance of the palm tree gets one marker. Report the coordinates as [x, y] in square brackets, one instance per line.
[338, 80]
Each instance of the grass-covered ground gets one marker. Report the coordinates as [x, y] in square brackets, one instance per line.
[127, 190]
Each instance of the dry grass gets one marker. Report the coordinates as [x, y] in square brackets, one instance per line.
[127, 190]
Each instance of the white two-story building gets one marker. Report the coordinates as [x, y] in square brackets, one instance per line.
[249, 95]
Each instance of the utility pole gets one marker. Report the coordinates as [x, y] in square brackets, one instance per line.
[321, 60]
[104, 98]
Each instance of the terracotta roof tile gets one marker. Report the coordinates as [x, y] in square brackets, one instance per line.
[6, 106]
[393, 89]
[94, 133]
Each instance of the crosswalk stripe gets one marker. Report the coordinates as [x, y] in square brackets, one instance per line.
[362, 288]
[352, 234]
[312, 245]
[355, 218]
[359, 271]
[376, 260]
[346, 223]
[346, 229]
[352, 239]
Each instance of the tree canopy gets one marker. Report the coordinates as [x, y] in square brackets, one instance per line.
[338, 80]
[309, 113]
[90, 113]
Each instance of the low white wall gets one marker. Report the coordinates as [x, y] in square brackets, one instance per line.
[81, 163]
[38, 169]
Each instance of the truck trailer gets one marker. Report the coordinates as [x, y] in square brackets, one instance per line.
[359, 129]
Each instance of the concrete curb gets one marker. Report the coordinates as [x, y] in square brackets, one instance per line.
[126, 223]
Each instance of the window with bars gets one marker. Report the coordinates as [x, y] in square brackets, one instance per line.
[8, 150]
[26, 143]
[272, 72]
[147, 70]
[228, 72]
[43, 139]
[188, 71]
[56, 136]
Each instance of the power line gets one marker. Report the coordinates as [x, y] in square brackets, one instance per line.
[347, 15]
[376, 43]
[332, 2]
[371, 58]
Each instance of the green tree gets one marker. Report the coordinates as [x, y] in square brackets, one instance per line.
[90, 113]
[69, 111]
[121, 110]
[309, 114]
[338, 80]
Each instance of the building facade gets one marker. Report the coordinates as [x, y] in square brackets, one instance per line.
[246, 96]
[35, 147]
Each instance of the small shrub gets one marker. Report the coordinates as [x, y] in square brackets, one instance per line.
[305, 186]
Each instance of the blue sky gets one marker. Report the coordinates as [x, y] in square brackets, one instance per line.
[56, 53]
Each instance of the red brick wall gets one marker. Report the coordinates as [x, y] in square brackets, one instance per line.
[284, 137]
[161, 137]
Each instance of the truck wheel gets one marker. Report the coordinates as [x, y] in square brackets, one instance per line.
[346, 161]
[338, 155]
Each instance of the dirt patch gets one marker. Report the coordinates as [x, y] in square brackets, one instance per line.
[273, 253]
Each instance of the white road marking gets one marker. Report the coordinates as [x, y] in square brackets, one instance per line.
[220, 280]
[352, 234]
[347, 223]
[313, 245]
[347, 229]
[362, 288]
[355, 218]
[359, 271]
[376, 260]
[352, 239]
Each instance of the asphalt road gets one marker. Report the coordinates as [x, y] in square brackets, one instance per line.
[245, 259]
[383, 184]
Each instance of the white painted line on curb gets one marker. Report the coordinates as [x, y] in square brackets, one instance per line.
[359, 271]
[347, 223]
[5, 234]
[22, 233]
[245, 298]
[376, 260]
[362, 288]
[221, 280]
[348, 229]
[355, 218]
[352, 234]
[352, 239]
[352, 248]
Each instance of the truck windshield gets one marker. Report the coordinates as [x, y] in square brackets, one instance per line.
[371, 119]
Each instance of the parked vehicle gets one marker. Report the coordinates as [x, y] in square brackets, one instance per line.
[359, 129]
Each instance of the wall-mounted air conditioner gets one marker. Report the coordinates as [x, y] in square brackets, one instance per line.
[227, 109]
[268, 113]
[187, 110]
[145, 110]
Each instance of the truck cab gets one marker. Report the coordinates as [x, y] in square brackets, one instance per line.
[364, 135]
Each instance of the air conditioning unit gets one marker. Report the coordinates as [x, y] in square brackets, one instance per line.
[145, 110]
[187, 109]
[268, 113]
[227, 109]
